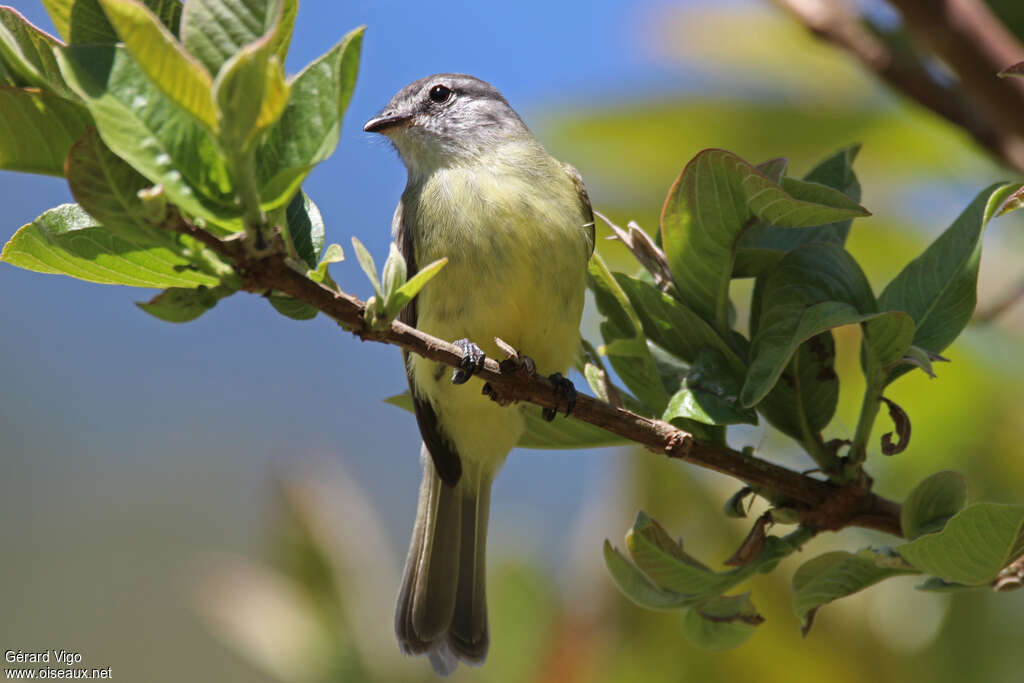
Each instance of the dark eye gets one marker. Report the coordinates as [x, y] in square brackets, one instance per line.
[440, 94]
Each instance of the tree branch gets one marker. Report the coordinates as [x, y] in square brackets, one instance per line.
[820, 505]
[966, 36]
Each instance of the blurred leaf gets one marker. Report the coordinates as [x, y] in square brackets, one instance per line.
[708, 208]
[182, 305]
[216, 30]
[814, 288]
[974, 545]
[178, 75]
[145, 129]
[66, 240]
[723, 623]
[544, 435]
[1014, 202]
[939, 288]
[1013, 70]
[635, 586]
[28, 53]
[308, 130]
[108, 189]
[710, 393]
[269, 619]
[761, 247]
[37, 129]
[623, 334]
[835, 575]
[395, 272]
[932, 502]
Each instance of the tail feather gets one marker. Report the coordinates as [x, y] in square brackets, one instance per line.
[468, 636]
[442, 608]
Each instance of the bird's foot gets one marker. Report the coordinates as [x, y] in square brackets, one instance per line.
[564, 389]
[472, 361]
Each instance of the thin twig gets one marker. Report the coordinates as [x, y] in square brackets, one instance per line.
[983, 105]
[822, 505]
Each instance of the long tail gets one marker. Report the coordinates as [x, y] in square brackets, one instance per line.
[442, 607]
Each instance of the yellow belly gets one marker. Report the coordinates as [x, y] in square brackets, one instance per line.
[516, 272]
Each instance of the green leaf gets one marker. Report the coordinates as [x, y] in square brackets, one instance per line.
[886, 341]
[89, 24]
[66, 240]
[710, 205]
[974, 545]
[835, 575]
[625, 344]
[763, 245]
[667, 566]
[710, 393]
[308, 130]
[368, 266]
[216, 30]
[181, 305]
[306, 227]
[673, 326]
[1013, 202]
[544, 435]
[938, 289]
[932, 502]
[333, 254]
[108, 189]
[145, 129]
[60, 15]
[723, 623]
[400, 298]
[635, 586]
[27, 52]
[178, 75]
[807, 393]
[251, 93]
[292, 308]
[37, 129]
[394, 274]
[814, 288]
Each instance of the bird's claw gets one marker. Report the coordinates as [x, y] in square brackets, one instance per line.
[564, 389]
[472, 361]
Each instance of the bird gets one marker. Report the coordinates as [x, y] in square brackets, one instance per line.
[518, 230]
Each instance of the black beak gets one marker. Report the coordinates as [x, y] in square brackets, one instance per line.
[388, 119]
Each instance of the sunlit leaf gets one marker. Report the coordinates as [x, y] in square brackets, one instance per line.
[66, 240]
[215, 30]
[178, 75]
[308, 130]
[182, 305]
[37, 129]
[145, 129]
[27, 53]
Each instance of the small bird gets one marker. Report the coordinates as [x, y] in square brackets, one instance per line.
[518, 230]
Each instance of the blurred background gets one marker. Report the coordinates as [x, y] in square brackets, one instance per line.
[230, 499]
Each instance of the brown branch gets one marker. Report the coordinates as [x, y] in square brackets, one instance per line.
[987, 107]
[821, 505]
